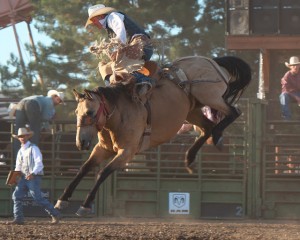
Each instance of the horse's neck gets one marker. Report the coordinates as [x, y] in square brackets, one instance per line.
[116, 110]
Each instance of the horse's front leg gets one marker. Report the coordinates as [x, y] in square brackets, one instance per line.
[98, 155]
[118, 162]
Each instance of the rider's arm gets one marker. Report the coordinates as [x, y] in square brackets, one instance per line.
[115, 22]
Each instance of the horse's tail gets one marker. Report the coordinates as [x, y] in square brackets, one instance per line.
[240, 71]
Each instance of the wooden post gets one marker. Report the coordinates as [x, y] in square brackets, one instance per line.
[18, 45]
[277, 159]
[40, 79]
[264, 73]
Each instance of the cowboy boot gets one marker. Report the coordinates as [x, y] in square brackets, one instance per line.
[143, 83]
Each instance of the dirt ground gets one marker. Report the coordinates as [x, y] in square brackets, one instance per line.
[131, 229]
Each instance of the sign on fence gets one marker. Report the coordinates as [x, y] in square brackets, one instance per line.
[179, 203]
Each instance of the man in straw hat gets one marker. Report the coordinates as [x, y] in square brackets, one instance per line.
[36, 111]
[120, 27]
[290, 87]
[30, 162]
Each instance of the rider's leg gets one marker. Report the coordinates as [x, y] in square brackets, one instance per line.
[105, 71]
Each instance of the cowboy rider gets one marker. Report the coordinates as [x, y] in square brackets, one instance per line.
[119, 26]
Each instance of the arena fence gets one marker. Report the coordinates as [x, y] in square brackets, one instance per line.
[256, 175]
[281, 171]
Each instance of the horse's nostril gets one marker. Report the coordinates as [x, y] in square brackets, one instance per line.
[85, 145]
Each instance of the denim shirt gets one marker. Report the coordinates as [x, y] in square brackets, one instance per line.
[47, 108]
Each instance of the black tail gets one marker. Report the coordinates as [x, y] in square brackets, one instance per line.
[240, 72]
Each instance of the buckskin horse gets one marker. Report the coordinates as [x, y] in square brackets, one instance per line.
[125, 127]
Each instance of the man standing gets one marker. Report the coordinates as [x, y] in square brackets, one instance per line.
[290, 87]
[30, 162]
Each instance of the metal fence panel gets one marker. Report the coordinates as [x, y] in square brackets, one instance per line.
[281, 165]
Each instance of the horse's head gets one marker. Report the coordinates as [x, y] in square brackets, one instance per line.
[91, 117]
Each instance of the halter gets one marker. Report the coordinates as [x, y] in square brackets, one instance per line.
[85, 121]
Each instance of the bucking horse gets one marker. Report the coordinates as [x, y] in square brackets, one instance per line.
[126, 127]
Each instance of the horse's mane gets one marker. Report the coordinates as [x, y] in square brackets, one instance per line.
[112, 92]
[240, 70]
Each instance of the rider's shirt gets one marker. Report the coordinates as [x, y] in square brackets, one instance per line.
[121, 27]
[115, 21]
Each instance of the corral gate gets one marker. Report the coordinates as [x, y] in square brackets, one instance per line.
[255, 176]
[281, 170]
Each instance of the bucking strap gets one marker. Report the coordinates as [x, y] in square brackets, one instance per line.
[145, 140]
[148, 108]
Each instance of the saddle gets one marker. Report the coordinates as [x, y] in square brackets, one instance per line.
[176, 75]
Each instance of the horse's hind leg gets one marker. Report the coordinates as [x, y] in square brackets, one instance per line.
[208, 128]
[192, 151]
[210, 95]
[99, 154]
[204, 126]
[219, 128]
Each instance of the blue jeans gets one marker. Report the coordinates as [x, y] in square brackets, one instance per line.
[285, 99]
[33, 186]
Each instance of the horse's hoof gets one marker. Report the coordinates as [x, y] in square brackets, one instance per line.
[189, 166]
[61, 204]
[83, 212]
[190, 170]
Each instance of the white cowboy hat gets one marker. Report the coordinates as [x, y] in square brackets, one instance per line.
[293, 61]
[22, 132]
[98, 10]
[61, 95]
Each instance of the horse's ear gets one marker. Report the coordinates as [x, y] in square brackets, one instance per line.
[77, 95]
[88, 94]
